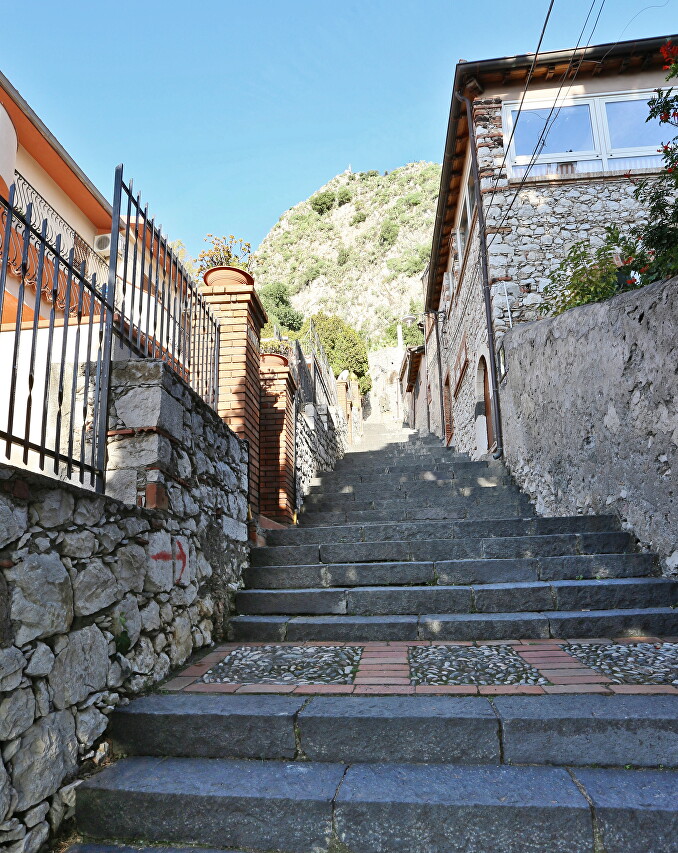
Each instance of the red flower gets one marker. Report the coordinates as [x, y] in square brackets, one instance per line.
[630, 281]
[645, 268]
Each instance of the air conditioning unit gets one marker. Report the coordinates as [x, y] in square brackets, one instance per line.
[102, 245]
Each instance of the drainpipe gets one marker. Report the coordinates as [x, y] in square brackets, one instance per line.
[496, 420]
[440, 378]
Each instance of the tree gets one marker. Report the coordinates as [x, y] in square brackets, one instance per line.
[275, 298]
[388, 233]
[344, 196]
[323, 202]
[345, 348]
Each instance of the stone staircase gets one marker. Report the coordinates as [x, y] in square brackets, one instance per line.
[408, 540]
[414, 541]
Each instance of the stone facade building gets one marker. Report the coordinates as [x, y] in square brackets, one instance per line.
[555, 174]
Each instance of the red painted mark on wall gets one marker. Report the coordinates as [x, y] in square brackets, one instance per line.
[161, 555]
[182, 559]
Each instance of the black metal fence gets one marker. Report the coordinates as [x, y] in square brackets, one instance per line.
[159, 311]
[54, 388]
[65, 311]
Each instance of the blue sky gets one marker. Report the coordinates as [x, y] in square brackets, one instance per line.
[226, 114]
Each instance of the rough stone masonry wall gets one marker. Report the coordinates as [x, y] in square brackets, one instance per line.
[321, 441]
[100, 598]
[590, 413]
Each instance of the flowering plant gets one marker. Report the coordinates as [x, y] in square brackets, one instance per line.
[659, 196]
[224, 252]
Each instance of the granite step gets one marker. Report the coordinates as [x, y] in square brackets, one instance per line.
[444, 529]
[488, 598]
[452, 572]
[649, 621]
[488, 547]
[297, 807]
[498, 501]
[556, 730]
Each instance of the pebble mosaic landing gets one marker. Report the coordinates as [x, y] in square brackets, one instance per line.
[625, 665]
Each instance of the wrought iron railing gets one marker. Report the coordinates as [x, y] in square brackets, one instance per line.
[53, 402]
[42, 211]
[62, 321]
[324, 383]
[159, 310]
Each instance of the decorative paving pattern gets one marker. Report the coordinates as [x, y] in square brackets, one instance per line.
[276, 664]
[640, 665]
[492, 664]
[632, 663]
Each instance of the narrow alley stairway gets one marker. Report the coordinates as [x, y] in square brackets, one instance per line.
[423, 665]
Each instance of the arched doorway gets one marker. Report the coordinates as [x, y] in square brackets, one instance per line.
[484, 425]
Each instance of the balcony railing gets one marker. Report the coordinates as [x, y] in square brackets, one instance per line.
[42, 211]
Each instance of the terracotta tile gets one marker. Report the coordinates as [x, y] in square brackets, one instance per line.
[495, 643]
[419, 643]
[577, 679]
[447, 689]
[557, 664]
[196, 671]
[178, 683]
[510, 689]
[201, 687]
[592, 641]
[386, 690]
[266, 688]
[575, 688]
[627, 640]
[644, 688]
[375, 679]
[323, 689]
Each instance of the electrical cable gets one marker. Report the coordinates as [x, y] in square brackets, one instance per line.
[548, 124]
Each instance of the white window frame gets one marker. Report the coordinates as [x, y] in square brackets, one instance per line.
[465, 205]
[602, 150]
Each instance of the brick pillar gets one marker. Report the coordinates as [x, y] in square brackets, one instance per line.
[231, 295]
[277, 426]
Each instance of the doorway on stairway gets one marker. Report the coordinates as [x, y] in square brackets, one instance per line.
[447, 411]
[484, 426]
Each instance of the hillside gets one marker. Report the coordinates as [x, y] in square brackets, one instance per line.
[357, 247]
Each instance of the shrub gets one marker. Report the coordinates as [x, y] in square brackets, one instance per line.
[388, 233]
[342, 256]
[358, 217]
[323, 202]
[344, 196]
[588, 274]
[275, 298]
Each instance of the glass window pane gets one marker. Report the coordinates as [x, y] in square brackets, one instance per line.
[570, 131]
[628, 128]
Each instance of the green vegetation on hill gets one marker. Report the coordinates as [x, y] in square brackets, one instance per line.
[357, 248]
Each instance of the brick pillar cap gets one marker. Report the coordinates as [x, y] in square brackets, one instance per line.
[233, 280]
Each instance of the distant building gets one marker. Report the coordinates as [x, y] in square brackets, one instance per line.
[555, 175]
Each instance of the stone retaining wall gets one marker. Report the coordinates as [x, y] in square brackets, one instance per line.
[101, 596]
[590, 413]
[321, 442]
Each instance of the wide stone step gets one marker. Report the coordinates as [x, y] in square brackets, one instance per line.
[300, 807]
[498, 502]
[427, 530]
[139, 848]
[654, 621]
[487, 598]
[374, 490]
[452, 572]
[491, 547]
[462, 509]
[556, 730]
[366, 471]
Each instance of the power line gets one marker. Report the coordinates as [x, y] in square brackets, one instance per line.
[522, 99]
[548, 124]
